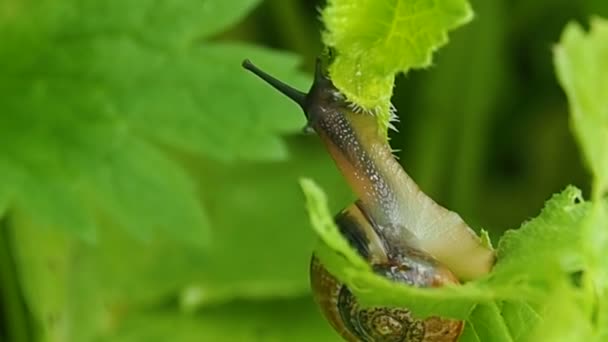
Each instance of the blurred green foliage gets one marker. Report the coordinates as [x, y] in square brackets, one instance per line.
[148, 186]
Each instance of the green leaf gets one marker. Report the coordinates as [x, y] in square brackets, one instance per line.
[93, 92]
[502, 321]
[564, 318]
[132, 194]
[486, 324]
[89, 290]
[323, 224]
[519, 318]
[210, 122]
[532, 261]
[581, 62]
[550, 242]
[375, 40]
[166, 23]
[44, 259]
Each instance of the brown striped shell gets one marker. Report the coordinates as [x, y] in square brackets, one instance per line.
[380, 324]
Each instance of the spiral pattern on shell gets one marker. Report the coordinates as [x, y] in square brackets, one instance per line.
[375, 324]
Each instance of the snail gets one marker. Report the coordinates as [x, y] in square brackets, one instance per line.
[402, 233]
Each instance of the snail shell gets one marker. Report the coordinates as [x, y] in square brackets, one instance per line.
[381, 324]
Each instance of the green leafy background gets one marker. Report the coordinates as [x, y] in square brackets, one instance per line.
[149, 186]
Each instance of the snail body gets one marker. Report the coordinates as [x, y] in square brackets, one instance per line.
[403, 234]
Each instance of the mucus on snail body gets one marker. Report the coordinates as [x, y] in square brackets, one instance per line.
[403, 234]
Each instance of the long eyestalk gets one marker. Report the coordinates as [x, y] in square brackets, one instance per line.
[294, 94]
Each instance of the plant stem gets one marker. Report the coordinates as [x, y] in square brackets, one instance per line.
[15, 313]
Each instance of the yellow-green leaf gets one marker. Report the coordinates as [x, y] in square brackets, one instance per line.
[376, 39]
